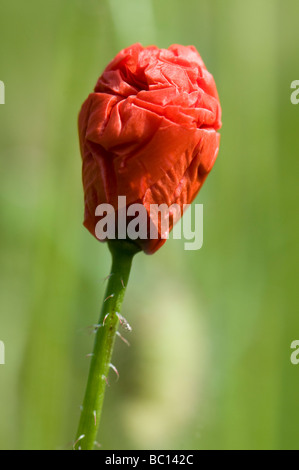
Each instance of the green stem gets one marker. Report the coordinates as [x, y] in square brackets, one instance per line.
[122, 256]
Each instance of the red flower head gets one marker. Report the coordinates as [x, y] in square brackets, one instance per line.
[149, 131]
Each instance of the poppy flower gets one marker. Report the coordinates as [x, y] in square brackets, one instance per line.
[149, 132]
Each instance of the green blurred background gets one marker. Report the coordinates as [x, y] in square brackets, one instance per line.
[209, 363]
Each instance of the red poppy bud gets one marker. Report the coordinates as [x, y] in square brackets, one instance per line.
[149, 132]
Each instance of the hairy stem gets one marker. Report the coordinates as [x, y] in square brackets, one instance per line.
[122, 256]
